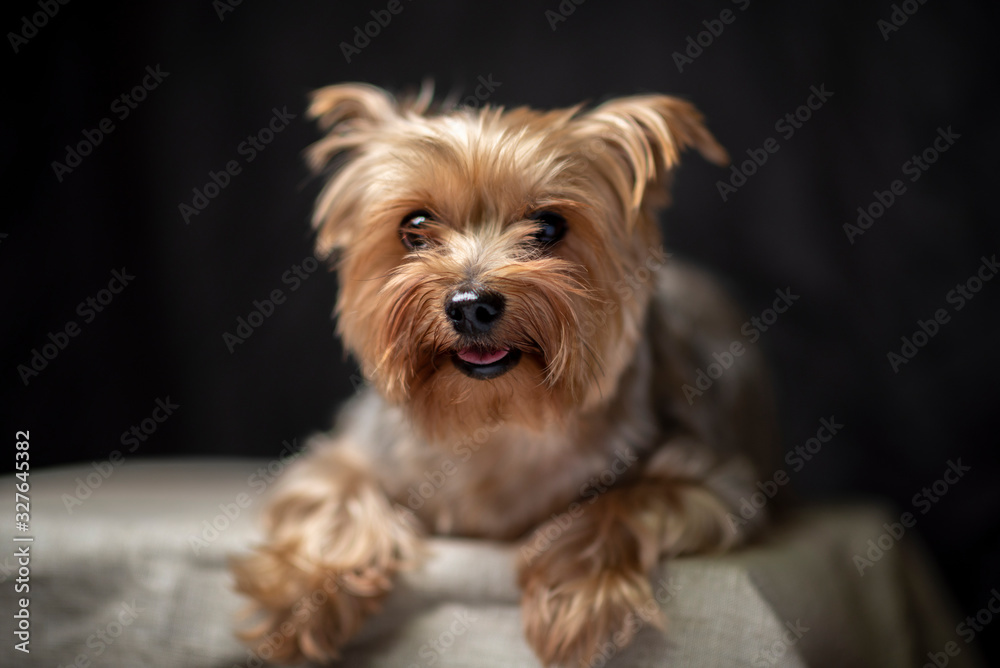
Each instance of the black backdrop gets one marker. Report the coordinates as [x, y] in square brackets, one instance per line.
[218, 73]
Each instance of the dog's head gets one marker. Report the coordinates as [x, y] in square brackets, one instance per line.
[490, 260]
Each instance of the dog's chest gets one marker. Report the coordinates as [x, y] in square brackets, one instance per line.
[498, 486]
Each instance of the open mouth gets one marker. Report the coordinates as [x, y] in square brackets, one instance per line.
[486, 363]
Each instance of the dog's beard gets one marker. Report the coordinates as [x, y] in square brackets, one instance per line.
[567, 332]
[540, 359]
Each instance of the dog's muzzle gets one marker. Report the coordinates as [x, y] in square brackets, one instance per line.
[473, 314]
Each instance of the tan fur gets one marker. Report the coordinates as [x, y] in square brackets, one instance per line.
[596, 395]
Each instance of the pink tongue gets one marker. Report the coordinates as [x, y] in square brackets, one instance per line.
[475, 357]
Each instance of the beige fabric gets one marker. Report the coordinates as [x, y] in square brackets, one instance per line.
[117, 582]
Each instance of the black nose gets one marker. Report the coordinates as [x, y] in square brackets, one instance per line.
[474, 311]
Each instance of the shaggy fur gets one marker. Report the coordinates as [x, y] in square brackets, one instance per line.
[587, 439]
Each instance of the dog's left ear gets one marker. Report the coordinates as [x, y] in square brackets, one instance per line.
[646, 134]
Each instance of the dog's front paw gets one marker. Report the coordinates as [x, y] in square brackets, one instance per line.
[572, 619]
[333, 546]
[301, 611]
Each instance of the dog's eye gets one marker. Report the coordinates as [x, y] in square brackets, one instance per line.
[551, 227]
[413, 230]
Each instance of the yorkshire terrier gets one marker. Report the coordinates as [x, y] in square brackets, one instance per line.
[527, 342]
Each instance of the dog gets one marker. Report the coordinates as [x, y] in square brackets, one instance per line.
[504, 288]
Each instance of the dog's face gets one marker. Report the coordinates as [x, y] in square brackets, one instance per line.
[481, 253]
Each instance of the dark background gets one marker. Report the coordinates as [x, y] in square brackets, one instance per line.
[162, 336]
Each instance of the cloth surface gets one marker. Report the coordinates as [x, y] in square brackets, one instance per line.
[128, 568]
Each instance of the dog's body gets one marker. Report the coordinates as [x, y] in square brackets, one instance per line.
[528, 341]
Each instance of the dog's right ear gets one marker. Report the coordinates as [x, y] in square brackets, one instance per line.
[352, 114]
[348, 113]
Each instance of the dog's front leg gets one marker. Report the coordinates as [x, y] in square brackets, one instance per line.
[585, 574]
[333, 544]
